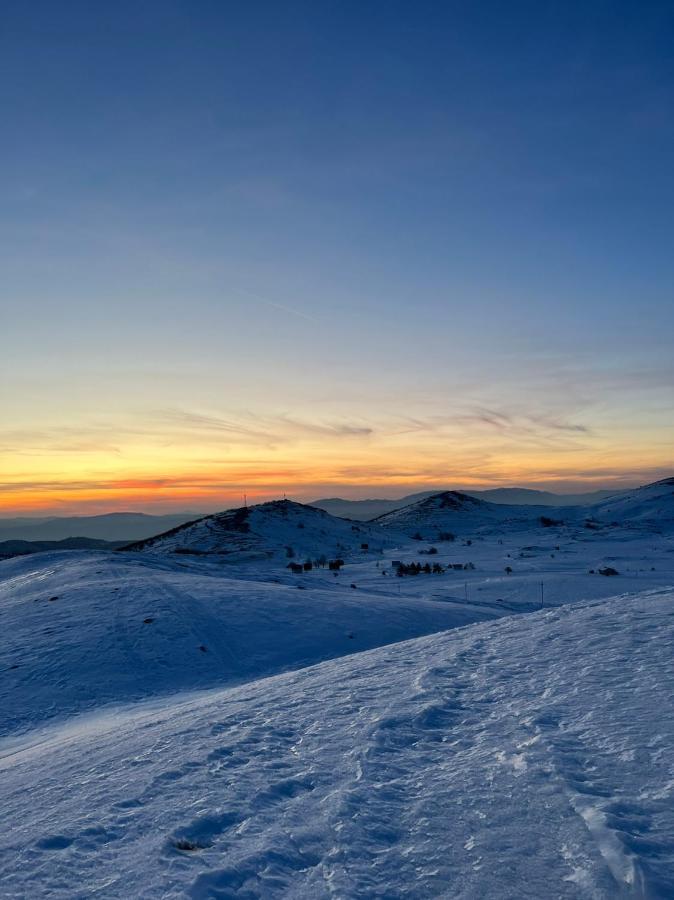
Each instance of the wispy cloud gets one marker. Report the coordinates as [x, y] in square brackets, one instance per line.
[266, 430]
[523, 422]
[326, 428]
[232, 428]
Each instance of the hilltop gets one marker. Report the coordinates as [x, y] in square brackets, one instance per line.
[279, 529]
[436, 517]
[650, 507]
[364, 510]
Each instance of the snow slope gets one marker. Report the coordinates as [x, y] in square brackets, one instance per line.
[648, 508]
[461, 514]
[266, 531]
[78, 630]
[523, 758]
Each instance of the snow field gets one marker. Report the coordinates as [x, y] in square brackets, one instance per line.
[528, 757]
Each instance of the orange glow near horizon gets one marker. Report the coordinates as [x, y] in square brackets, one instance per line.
[207, 491]
[200, 462]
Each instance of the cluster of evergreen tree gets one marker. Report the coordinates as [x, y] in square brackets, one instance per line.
[418, 569]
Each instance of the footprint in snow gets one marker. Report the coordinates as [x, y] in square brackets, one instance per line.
[54, 842]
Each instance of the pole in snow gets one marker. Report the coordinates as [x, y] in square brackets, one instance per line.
[541, 595]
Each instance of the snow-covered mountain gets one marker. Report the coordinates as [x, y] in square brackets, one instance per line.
[364, 510]
[459, 514]
[281, 528]
[525, 758]
[650, 507]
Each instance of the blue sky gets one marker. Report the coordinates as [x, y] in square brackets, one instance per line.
[339, 213]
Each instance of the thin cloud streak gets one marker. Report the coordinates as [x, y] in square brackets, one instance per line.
[272, 304]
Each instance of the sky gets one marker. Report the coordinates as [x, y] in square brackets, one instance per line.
[332, 248]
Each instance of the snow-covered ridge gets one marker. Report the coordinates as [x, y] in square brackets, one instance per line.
[453, 512]
[651, 504]
[297, 531]
[526, 758]
[650, 507]
[281, 528]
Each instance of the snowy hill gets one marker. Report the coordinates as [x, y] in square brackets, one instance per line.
[456, 513]
[267, 531]
[525, 758]
[363, 510]
[649, 506]
[79, 630]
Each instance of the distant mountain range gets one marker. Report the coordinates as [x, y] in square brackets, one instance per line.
[296, 532]
[362, 510]
[8, 549]
[121, 526]
[278, 524]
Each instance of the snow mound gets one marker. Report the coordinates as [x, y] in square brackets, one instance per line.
[528, 758]
[78, 630]
[281, 528]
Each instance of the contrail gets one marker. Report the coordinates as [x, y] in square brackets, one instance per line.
[274, 305]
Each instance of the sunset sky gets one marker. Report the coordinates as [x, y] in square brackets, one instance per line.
[331, 248]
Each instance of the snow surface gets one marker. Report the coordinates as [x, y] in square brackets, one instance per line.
[74, 629]
[652, 504]
[458, 513]
[528, 757]
[193, 719]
